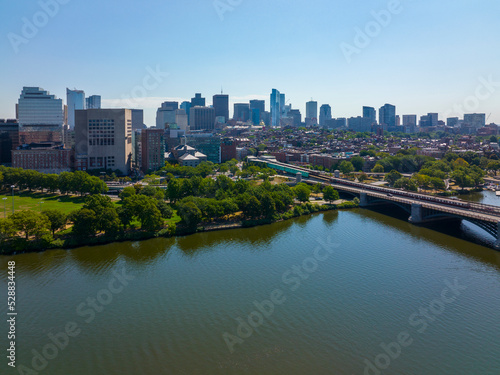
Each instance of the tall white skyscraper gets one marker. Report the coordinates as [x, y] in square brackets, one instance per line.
[75, 100]
[311, 113]
[325, 113]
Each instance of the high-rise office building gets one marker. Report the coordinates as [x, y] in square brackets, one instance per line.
[360, 124]
[152, 149]
[311, 113]
[181, 119]
[93, 102]
[198, 100]
[221, 106]
[433, 118]
[75, 100]
[282, 105]
[325, 113]
[241, 112]
[40, 115]
[452, 121]
[165, 115]
[387, 116]
[186, 106]
[103, 139]
[257, 108]
[202, 118]
[9, 139]
[475, 120]
[137, 119]
[410, 123]
[370, 113]
[275, 108]
[297, 117]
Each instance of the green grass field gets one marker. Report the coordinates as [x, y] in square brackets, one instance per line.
[31, 201]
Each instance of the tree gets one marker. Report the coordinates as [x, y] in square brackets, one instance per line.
[31, 223]
[462, 179]
[174, 190]
[378, 168]
[346, 167]
[392, 177]
[165, 209]
[252, 208]
[127, 192]
[57, 219]
[406, 184]
[330, 194]
[190, 214]
[84, 222]
[268, 205]
[7, 230]
[358, 163]
[302, 192]
[362, 177]
[493, 165]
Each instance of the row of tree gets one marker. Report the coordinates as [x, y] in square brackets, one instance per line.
[67, 182]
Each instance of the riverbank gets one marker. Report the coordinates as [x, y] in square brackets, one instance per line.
[22, 246]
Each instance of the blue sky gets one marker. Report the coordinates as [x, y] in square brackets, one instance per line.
[430, 56]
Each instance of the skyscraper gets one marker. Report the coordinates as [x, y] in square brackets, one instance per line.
[41, 116]
[387, 116]
[475, 120]
[241, 112]
[275, 108]
[370, 113]
[75, 100]
[165, 115]
[257, 108]
[103, 139]
[311, 113]
[221, 106]
[93, 102]
[202, 118]
[325, 113]
[137, 119]
[198, 100]
[186, 106]
[152, 149]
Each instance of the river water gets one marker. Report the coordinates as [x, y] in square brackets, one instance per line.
[350, 292]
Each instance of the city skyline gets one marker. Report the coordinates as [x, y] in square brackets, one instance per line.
[352, 55]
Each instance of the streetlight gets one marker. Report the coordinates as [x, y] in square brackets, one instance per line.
[4, 200]
[12, 186]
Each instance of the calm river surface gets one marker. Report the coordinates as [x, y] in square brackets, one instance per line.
[344, 285]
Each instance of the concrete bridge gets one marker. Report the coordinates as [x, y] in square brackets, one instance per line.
[421, 208]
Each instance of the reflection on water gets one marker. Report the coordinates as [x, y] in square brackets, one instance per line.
[188, 291]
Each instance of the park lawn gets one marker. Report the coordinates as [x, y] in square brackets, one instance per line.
[31, 201]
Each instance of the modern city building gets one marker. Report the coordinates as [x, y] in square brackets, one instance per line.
[186, 106]
[138, 119]
[241, 112]
[296, 116]
[103, 139]
[360, 124]
[221, 106]
[257, 109]
[202, 118]
[387, 116]
[227, 149]
[475, 120]
[325, 113]
[370, 113]
[410, 123]
[93, 102]
[275, 108]
[198, 100]
[206, 143]
[165, 115]
[75, 99]
[311, 113]
[9, 139]
[452, 121]
[152, 149]
[40, 115]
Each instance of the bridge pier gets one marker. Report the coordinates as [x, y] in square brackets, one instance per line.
[416, 214]
[363, 200]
